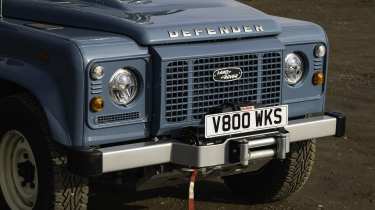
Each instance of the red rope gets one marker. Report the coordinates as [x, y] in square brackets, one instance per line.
[193, 178]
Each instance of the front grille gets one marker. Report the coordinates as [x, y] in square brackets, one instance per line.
[117, 118]
[207, 93]
[191, 91]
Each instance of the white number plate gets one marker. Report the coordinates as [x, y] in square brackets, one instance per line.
[245, 121]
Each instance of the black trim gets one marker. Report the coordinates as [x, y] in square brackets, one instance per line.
[340, 124]
[85, 162]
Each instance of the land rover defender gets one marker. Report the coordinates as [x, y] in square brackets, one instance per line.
[147, 90]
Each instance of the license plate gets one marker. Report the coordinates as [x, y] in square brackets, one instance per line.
[238, 122]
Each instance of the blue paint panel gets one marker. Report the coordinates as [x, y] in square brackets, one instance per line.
[148, 22]
[304, 90]
[56, 82]
[111, 135]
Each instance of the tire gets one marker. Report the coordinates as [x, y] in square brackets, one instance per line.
[279, 178]
[47, 183]
[2, 201]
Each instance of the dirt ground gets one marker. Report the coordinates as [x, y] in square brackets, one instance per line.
[344, 174]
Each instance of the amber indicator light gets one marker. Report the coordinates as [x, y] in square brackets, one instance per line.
[97, 104]
[318, 78]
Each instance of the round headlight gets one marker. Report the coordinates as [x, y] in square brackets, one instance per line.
[294, 68]
[123, 86]
[320, 51]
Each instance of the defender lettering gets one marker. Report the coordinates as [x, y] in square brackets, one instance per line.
[222, 30]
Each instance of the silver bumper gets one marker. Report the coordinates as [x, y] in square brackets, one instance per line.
[124, 157]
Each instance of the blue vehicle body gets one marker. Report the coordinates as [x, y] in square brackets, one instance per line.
[48, 48]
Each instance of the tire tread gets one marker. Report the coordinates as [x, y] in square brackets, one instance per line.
[279, 178]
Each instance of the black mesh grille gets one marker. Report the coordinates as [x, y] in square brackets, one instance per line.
[191, 91]
[271, 79]
[117, 118]
[177, 91]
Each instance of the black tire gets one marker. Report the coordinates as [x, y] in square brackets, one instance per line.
[2, 201]
[279, 178]
[58, 189]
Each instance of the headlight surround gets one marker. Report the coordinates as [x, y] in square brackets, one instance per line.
[294, 68]
[123, 86]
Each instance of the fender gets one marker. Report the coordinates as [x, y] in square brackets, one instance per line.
[51, 68]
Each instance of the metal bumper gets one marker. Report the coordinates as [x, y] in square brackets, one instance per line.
[246, 148]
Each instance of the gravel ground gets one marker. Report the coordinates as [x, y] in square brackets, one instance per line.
[344, 174]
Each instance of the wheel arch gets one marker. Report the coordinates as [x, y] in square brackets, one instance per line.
[46, 97]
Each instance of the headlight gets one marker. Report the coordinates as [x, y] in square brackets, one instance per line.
[123, 87]
[294, 68]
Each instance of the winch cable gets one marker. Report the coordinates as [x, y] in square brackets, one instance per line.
[193, 178]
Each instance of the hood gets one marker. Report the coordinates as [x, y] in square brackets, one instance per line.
[151, 22]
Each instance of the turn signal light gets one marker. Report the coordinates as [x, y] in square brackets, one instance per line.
[318, 78]
[97, 104]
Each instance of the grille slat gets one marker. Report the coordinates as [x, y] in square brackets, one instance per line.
[117, 118]
[191, 91]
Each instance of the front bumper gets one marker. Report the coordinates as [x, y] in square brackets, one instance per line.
[130, 156]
